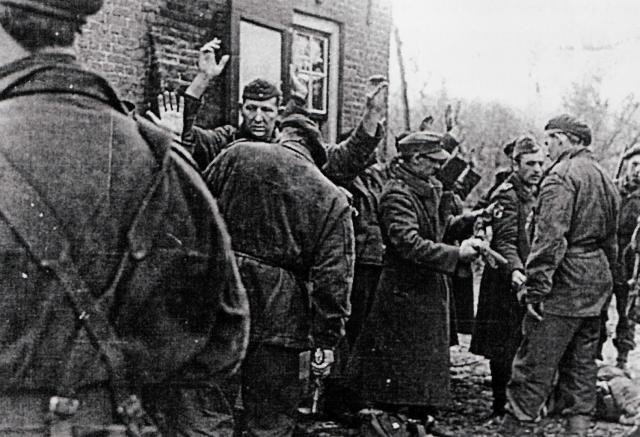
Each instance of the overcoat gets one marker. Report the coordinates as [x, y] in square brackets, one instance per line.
[177, 305]
[402, 356]
[292, 233]
[497, 330]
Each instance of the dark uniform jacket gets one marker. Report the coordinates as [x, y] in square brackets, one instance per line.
[497, 331]
[179, 301]
[500, 176]
[574, 248]
[366, 190]
[293, 236]
[402, 355]
[629, 213]
[344, 160]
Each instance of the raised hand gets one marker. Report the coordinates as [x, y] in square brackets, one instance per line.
[171, 112]
[376, 95]
[298, 87]
[207, 63]
[376, 108]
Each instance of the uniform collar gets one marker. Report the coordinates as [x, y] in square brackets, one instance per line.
[569, 153]
[523, 191]
[55, 73]
[422, 187]
[298, 148]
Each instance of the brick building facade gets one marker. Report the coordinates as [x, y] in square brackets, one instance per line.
[143, 46]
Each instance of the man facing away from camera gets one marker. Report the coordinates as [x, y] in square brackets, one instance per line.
[117, 276]
[293, 238]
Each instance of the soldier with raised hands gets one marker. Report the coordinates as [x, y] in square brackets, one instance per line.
[259, 110]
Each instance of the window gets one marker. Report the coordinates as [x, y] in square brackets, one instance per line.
[315, 51]
[260, 54]
[310, 54]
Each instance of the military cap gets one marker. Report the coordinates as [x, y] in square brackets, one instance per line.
[508, 148]
[570, 125]
[260, 89]
[74, 10]
[525, 144]
[426, 142]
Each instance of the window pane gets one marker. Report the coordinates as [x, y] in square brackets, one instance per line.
[309, 54]
[260, 54]
[318, 97]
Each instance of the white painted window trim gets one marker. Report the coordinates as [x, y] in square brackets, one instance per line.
[332, 29]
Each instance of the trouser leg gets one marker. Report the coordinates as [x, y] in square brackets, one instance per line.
[500, 372]
[191, 412]
[576, 389]
[536, 362]
[625, 329]
[365, 281]
[271, 390]
[604, 317]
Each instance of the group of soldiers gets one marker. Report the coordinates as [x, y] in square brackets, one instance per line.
[157, 273]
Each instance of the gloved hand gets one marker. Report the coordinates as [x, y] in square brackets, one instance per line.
[321, 362]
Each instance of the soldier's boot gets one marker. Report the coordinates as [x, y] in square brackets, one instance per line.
[512, 427]
[621, 361]
[578, 425]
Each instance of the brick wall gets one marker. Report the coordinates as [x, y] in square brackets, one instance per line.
[142, 46]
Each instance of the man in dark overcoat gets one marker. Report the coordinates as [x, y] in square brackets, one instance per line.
[497, 332]
[401, 359]
[96, 205]
[569, 279]
[293, 237]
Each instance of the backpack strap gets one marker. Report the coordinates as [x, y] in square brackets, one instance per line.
[38, 228]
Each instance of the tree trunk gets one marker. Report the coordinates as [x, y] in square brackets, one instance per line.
[403, 81]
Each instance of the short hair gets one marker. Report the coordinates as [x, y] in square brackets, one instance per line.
[35, 31]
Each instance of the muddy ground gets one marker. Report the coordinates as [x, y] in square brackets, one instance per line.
[472, 398]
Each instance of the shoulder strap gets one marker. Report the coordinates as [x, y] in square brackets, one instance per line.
[38, 228]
